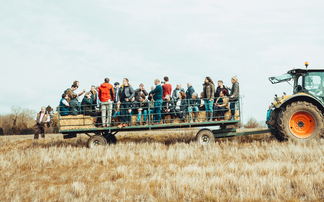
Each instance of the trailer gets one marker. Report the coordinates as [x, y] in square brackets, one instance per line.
[101, 135]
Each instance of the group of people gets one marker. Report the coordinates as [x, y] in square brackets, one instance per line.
[109, 103]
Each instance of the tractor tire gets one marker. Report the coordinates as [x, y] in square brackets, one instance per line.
[111, 139]
[96, 141]
[278, 135]
[205, 137]
[300, 121]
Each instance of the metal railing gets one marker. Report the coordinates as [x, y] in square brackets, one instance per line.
[190, 111]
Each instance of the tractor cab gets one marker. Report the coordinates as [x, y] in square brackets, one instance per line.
[309, 81]
[299, 116]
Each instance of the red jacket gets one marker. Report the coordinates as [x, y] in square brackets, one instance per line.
[106, 92]
[167, 89]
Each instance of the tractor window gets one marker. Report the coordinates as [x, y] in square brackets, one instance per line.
[314, 84]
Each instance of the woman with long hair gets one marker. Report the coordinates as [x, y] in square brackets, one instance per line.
[208, 95]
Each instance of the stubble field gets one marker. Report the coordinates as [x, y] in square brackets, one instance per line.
[166, 166]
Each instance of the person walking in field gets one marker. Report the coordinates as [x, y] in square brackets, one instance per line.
[107, 96]
[41, 119]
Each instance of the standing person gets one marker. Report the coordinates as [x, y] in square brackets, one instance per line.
[157, 97]
[94, 98]
[176, 91]
[99, 102]
[41, 119]
[64, 105]
[126, 94]
[116, 89]
[189, 92]
[221, 105]
[166, 87]
[106, 95]
[70, 92]
[74, 105]
[139, 92]
[220, 88]
[234, 96]
[77, 84]
[208, 95]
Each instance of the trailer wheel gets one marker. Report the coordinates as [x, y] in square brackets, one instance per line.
[96, 141]
[205, 137]
[300, 121]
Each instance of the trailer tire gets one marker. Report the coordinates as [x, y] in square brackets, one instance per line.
[95, 141]
[111, 139]
[300, 121]
[205, 137]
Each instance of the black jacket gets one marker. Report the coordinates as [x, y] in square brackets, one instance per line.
[172, 105]
[138, 94]
[184, 104]
[143, 105]
[218, 90]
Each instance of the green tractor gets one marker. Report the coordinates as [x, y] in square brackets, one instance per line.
[298, 117]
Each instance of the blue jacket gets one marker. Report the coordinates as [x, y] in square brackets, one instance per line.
[189, 92]
[158, 91]
[64, 110]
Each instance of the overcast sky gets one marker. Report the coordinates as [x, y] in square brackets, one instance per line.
[46, 45]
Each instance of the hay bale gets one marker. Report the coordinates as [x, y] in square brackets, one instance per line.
[80, 121]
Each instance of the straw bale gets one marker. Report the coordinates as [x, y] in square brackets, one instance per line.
[80, 121]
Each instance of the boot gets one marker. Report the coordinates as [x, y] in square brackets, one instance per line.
[210, 116]
[196, 117]
[207, 117]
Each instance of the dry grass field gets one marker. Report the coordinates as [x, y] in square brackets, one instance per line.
[167, 166]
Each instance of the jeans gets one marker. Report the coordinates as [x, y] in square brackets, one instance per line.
[209, 106]
[130, 116]
[181, 115]
[232, 107]
[157, 111]
[124, 111]
[116, 114]
[106, 111]
[195, 109]
[140, 115]
[222, 111]
[171, 113]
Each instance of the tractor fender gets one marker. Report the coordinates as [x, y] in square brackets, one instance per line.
[302, 97]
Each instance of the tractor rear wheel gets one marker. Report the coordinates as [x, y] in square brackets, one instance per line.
[278, 135]
[300, 121]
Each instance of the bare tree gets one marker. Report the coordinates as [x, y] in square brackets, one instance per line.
[252, 123]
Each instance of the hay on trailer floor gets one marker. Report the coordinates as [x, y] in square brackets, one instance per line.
[80, 121]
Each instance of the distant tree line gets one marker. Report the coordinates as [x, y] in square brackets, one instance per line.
[21, 121]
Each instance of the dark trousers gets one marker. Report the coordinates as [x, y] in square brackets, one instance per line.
[232, 106]
[94, 114]
[124, 111]
[171, 113]
[40, 128]
[221, 110]
[181, 115]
